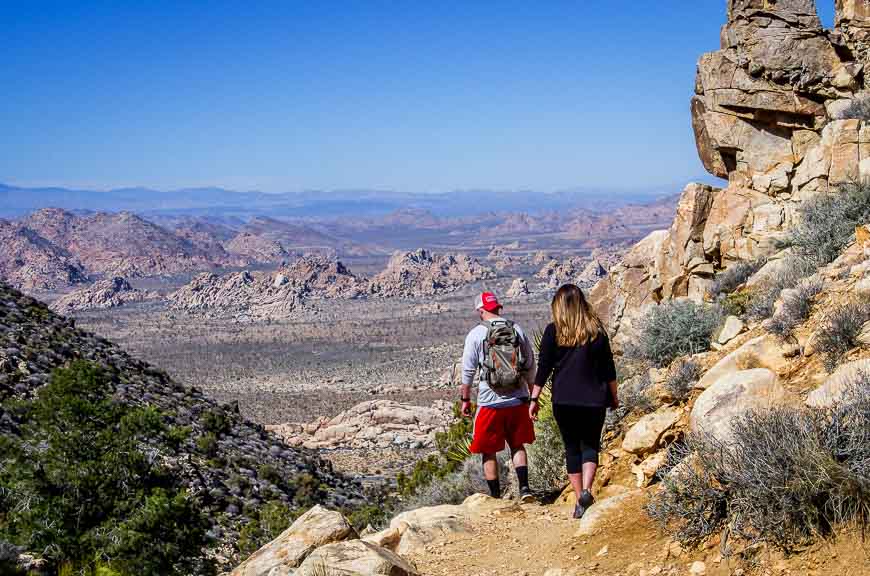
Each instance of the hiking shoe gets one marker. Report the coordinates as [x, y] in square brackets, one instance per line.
[526, 495]
[583, 504]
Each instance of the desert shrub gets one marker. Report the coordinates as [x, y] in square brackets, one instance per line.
[216, 421]
[786, 476]
[376, 516]
[675, 329]
[764, 296]
[266, 525]
[455, 487]
[452, 451]
[736, 303]
[730, 279]
[207, 444]
[636, 396]
[828, 220]
[682, 377]
[547, 454]
[82, 483]
[839, 333]
[857, 109]
[795, 309]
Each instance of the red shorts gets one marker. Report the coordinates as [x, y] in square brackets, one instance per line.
[495, 426]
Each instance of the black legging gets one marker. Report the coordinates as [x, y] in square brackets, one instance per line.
[581, 432]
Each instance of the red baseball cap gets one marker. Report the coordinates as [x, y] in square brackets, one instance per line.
[487, 301]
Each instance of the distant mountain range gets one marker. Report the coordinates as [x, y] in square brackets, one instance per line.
[16, 202]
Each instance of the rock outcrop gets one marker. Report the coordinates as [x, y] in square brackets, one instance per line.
[372, 424]
[767, 115]
[256, 248]
[101, 295]
[247, 295]
[422, 273]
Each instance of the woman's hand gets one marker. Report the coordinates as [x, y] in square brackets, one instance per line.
[614, 402]
[534, 408]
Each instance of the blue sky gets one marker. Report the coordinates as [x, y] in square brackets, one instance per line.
[412, 96]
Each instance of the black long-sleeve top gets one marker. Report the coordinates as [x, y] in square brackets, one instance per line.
[581, 375]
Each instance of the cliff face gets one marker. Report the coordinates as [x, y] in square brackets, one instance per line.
[770, 115]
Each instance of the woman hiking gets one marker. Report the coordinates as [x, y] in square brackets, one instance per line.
[575, 351]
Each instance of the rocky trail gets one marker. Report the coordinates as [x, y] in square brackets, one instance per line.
[542, 540]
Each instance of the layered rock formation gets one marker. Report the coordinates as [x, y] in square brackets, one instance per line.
[100, 295]
[767, 116]
[422, 273]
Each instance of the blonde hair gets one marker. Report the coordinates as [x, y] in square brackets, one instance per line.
[575, 320]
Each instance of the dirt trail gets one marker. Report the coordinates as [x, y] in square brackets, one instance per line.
[534, 539]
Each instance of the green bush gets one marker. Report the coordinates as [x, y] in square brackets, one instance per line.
[635, 396]
[547, 454]
[786, 475]
[828, 221]
[674, 329]
[207, 444]
[452, 450]
[268, 523]
[80, 487]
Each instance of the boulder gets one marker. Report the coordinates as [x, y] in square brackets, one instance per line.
[314, 529]
[760, 352]
[518, 288]
[354, 558]
[602, 513]
[732, 328]
[645, 436]
[833, 389]
[424, 525]
[732, 395]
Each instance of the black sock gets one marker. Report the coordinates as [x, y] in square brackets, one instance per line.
[494, 488]
[523, 476]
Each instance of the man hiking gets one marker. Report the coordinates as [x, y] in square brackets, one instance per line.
[499, 350]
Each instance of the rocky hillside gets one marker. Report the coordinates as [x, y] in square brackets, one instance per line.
[30, 262]
[423, 273]
[122, 244]
[231, 467]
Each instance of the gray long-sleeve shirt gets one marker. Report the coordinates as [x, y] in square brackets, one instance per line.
[472, 360]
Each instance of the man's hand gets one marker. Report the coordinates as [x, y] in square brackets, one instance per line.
[466, 409]
[534, 408]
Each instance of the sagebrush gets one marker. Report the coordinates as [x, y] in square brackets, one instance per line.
[682, 378]
[674, 329]
[828, 220]
[786, 476]
[734, 276]
[796, 307]
[840, 332]
[763, 297]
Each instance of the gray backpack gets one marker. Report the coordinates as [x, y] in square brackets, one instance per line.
[503, 357]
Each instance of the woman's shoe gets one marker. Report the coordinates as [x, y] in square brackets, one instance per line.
[583, 503]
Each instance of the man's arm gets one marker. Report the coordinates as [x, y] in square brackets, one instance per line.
[470, 358]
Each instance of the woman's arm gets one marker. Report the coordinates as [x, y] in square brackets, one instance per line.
[546, 356]
[614, 394]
